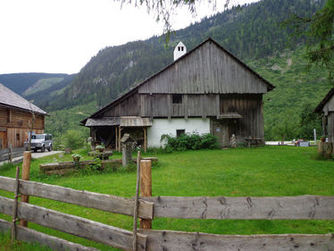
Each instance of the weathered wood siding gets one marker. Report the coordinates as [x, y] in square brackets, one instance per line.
[206, 70]
[127, 107]
[161, 105]
[15, 125]
[250, 125]
[250, 107]
[330, 126]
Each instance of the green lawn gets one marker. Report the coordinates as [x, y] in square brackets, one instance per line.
[265, 171]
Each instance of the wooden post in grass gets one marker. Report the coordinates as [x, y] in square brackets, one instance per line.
[25, 176]
[145, 187]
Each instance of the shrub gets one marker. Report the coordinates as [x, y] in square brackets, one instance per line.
[73, 139]
[192, 141]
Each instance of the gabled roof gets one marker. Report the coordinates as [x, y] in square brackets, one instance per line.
[324, 101]
[135, 88]
[11, 99]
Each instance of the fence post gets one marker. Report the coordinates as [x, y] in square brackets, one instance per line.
[25, 176]
[10, 153]
[145, 187]
[14, 220]
[135, 212]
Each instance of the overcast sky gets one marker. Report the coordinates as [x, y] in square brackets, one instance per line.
[60, 36]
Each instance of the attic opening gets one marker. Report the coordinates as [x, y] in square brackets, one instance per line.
[177, 98]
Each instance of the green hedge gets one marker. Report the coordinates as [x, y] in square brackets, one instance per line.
[189, 142]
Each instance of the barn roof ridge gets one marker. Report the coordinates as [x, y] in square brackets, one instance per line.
[11, 99]
[134, 88]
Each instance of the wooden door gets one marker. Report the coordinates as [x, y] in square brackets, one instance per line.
[3, 140]
[219, 128]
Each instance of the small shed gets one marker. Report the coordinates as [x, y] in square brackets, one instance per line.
[326, 109]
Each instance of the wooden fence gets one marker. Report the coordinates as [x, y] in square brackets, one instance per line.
[10, 153]
[297, 207]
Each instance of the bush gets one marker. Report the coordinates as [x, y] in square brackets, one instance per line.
[192, 141]
[73, 139]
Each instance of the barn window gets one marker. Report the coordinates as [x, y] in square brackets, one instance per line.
[177, 99]
[18, 136]
[179, 132]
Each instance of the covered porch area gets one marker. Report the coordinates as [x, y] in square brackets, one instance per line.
[109, 130]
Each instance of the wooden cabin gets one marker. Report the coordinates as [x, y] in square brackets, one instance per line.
[16, 119]
[326, 109]
[205, 90]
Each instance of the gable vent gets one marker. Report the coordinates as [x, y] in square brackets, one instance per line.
[179, 50]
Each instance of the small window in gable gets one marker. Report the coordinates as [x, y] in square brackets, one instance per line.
[179, 48]
[177, 99]
[179, 132]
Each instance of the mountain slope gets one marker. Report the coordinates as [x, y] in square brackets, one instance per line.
[20, 82]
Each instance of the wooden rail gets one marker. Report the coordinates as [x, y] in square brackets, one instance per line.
[186, 241]
[296, 207]
[104, 202]
[75, 225]
[30, 235]
[6, 154]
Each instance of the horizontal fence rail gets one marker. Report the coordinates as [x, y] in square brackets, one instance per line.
[104, 202]
[29, 235]
[75, 225]
[296, 207]
[186, 241]
[16, 152]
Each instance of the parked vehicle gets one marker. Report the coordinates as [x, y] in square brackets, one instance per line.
[40, 141]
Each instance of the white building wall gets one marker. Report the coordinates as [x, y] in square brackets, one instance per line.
[169, 126]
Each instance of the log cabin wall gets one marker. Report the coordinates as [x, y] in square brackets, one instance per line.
[15, 125]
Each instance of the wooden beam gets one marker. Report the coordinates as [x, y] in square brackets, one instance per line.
[95, 231]
[103, 202]
[145, 139]
[119, 138]
[116, 139]
[297, 207]
[29, 235]
[185, 241]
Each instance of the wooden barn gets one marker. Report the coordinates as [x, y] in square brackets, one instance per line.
[16, 119]
[205, 90]
[326, 109]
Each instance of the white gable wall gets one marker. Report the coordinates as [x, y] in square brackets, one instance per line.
[169, 126]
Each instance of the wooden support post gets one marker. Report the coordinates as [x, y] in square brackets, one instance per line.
[25, 176]
[119, 137]
[145, 139]
[116, 138]
[145, 187]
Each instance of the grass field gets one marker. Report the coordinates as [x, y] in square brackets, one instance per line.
[264, 171]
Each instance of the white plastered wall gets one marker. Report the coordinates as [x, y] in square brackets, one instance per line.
[169, 126]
